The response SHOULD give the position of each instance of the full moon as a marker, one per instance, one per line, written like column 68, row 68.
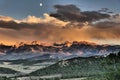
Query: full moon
column 41, row 4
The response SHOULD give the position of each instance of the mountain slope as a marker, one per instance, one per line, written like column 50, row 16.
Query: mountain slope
column 83, row 67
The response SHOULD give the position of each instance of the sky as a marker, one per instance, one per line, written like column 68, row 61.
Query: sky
column 22, row 8
column 59, row 21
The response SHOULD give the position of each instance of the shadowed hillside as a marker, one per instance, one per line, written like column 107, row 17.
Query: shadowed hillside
column 7, row 71
column 91, row 67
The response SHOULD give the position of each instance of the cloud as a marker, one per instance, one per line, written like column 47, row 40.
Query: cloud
column 31, row 28
column 103, row 10
column 106, row 31
column 6, row 18
column 52, row 29
column 72, row 13
column 115, row 18
column 106, row 25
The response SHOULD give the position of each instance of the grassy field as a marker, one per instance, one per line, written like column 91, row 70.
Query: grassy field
column 25, row 66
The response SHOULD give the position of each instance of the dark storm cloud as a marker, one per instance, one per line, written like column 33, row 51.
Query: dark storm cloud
column 72, row 13
column 106, row 30
column 66, row 12
column 106, row 24
column 21, row 26
column 93, row 16
column 67, row 8
column 103, row 10
column 9, row 25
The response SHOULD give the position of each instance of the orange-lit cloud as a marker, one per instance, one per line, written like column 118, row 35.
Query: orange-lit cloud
column 51, row 29
column 6, row 18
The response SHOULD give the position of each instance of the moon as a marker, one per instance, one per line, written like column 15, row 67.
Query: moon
column 41, row 4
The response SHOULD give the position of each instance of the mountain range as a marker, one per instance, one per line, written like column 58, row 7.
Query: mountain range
column 57, row 51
